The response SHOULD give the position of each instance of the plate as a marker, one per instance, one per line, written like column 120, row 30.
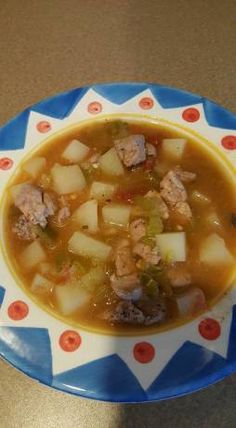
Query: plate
column 151, row 367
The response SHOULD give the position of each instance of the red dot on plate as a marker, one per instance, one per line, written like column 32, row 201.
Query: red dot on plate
column 229, row 142
column 209, row 329
column 144, row 352
column 69, row 341
column 6, row 163
column 191, row 115
column 18, row 310
column 43, row 126
column 95, row 107
column 146, row 103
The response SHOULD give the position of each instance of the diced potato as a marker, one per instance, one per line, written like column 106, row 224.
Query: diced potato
column 93, row 278
column 45, row 267
column 214, row 251
column 102, row 191
column 199, row 197
column 174, row 147
column 67, row 179
column 40, row 284
column 172, row 246
column 213, row 220
column 75, row 151
column 110, row 163
column 84, row 245
column 70, row 298
column 87, row 215
column 35, row 166
column 116, row 214
column 33, row 255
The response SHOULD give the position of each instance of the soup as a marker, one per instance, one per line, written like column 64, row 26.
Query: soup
column 122, row 226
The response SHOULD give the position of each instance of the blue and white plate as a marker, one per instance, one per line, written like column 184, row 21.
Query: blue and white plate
column 124, row 369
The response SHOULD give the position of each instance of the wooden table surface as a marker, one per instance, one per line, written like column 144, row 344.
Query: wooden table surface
column 50, row 46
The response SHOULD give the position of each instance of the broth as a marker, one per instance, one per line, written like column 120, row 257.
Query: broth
column 124, row 284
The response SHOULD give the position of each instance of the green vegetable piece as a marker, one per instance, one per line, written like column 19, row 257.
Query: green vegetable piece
column 155, row 225
column 79, row 267
column 152, row 288
column 118, row 129
column 47, row 235
column 148, row 241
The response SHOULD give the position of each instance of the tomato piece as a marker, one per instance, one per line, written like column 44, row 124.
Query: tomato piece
column 149, row 164
column 129, row 195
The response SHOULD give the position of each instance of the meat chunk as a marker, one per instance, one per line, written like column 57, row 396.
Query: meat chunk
column 124, row 261
column 163, row 208
column 185, row 176
column 63, row 214
column 153, row 311
column 35, row 206
column 150, row 255
column 131, row 150
column 24, row 229
column 49, row 204
column 127, row 287
column 172, row 190
column 126, row 312
column 137, row 229
column 174, row 193
column 184, row 210
column 191, row 302
column 178, row 275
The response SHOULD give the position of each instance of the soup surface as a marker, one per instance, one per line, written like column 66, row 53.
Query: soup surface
column 124, row 226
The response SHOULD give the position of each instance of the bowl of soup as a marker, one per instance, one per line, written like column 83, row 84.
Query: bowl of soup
column 118, row 241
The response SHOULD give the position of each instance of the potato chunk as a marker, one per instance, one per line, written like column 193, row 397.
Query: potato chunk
column 34, row 166
column 86, row 246
column 87, row 215
column 214, row 251
column 102, row 191
column 32, row 255
column 174, row 147
column 67, row 179
column 70, row 298
column 172, row 246
column 116, row 214
column 110, row 163
column 75, row 151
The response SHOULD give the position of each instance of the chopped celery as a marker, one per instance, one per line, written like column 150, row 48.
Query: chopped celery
column 79, row 267
column 118, row 129
column 47, row 235
column 148, row 241
column 152, row 288
column 148, row 204
column 144, row 278
column 149, row 283
column 155, row 225
column 151, row 206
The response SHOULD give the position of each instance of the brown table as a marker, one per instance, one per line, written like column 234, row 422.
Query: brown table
column 49, row 46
